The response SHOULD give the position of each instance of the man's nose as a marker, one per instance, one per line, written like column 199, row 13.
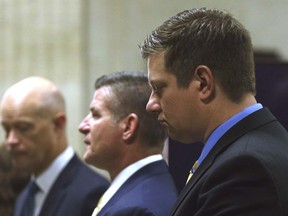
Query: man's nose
column 83, row 126
column 153, row 106
column 12, row 138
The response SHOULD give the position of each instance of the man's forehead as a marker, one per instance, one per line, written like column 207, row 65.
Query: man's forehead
column 155, row 65
column 160, row 77
column 103, row 92
column 20, row 113
column 100, row 96
column 11, row 122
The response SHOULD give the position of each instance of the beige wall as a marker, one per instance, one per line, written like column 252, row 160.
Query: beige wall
column 117, row 27
column 44, row 38
column 72, row 42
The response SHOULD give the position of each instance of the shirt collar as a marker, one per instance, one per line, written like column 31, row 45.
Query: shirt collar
column 223, row 128
column 126, row 174
column 49, row 176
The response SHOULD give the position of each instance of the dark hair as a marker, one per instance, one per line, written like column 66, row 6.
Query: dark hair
column 205, row 37
column 132, row 91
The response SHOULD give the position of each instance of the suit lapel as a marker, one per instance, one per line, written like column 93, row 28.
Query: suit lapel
column 256, row 119
column 145, row 172
column 53, row 202
column 58, row 191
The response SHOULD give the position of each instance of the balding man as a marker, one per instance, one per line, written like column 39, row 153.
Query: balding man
column 33, row 117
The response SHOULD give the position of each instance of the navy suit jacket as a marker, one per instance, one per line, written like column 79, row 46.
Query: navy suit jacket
column 75, row 192
column 244, row 174
column 149, row 191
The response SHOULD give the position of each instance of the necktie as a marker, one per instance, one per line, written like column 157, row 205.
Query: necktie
column 195, row 166
column 29, row 205
column 98, row 207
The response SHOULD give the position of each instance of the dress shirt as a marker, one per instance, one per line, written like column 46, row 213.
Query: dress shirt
column 125, row 174
column 165, row 152
column 46, row 180
column 223, row 128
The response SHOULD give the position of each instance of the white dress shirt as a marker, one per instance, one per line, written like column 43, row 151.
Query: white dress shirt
column 125, row 174
column 46, row 180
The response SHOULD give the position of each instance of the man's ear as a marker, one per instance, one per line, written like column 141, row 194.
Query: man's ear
column 60, row 121
column 206, row 86
column 130, row 125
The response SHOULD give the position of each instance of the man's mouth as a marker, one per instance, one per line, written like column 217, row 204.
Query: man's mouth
column 86, row 141
column 16, row 153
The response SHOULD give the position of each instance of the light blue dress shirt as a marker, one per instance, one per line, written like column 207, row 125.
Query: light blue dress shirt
column 223, row 128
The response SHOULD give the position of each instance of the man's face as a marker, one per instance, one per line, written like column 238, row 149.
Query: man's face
column 176, row 107
column 102, row 133
column 29, row 137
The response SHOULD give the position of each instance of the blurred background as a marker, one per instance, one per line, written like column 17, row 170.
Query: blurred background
column 73, row 42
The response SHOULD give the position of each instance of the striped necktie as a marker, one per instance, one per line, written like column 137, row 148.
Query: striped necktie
column 195, row 166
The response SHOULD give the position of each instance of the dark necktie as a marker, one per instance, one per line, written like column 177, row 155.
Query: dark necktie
column 29, row 204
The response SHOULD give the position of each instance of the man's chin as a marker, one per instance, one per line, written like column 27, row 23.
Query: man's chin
column 172, row 135
column 181, row 139
column 88, row 158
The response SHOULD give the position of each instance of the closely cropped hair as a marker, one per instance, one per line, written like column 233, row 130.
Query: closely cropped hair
column 205, row 37
column 132, row 92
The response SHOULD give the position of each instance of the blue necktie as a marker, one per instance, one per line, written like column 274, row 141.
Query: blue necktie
column 29, row 205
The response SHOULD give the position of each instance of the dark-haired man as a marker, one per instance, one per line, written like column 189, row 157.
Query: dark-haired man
column 201, row 70
column 122, row 138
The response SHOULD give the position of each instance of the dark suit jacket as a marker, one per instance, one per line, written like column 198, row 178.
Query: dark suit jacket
column 244, row 174
column 75, row 192
column 149, row 191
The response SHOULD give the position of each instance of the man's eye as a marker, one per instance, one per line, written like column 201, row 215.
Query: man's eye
column 6, row 129
column 95, row 114
column 157, row 89
column 23, row 127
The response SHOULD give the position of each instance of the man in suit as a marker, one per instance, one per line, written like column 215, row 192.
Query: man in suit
column 122, row 138
column 201, row 70
column 33, row 117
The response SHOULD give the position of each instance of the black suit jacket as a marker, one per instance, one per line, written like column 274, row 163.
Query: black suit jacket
column 244, row 174
column 75, row 192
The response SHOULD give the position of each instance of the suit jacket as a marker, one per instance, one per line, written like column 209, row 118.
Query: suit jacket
column 244, row 174
column 75, row 192
column 149, row 191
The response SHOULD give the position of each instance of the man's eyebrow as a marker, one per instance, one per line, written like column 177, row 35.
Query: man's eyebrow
column 23, row 122
column 18, row 122
column 154, row 81
column 157, row 82
column 151, row 83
